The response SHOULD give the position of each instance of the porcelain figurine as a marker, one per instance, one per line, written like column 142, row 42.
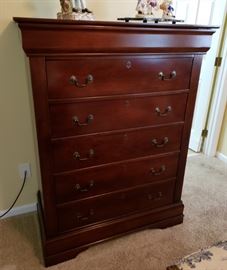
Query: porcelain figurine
column 66, row 6
column 145, row 7
column 167, row 8
column 79, row 4
column 76, row 12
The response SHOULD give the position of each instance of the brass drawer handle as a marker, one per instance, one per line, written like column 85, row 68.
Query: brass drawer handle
column 77, row 156
column 77, row 122
column 84, row 189
column 80, row 217
column 88, row 80
column 160, row 144
column 157, row 196
column 165, row 113
column 158, row 172
column 163, row 77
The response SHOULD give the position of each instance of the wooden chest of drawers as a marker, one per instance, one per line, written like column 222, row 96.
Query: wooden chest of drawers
column 114, row 105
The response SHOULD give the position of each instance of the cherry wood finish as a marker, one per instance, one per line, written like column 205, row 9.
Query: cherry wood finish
column 116, row 75
column 104, row 37
column 122, row 145
column 89, row 182
column 44, row 133
column 111, row 206
column 107, row 114
column 114, row 105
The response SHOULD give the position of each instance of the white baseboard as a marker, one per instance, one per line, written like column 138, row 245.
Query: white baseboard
column 222, row 157
column 20, row 210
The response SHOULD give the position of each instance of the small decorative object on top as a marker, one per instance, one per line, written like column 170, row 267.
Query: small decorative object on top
column 167, row 8
column 78, row 11
column 156, row 11
column 145, row 8
column 66, row 6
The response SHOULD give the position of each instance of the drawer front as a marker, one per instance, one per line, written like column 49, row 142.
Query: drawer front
column 97, row 116
column 90, row 182
column 117, row 204
column 102, row 76
column 91, row 150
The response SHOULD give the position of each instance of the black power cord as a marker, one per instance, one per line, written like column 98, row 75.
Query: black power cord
column 22, row 187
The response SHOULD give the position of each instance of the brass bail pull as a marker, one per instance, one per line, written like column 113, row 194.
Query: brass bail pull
column 88, row 120
column 157, row 144
column 158, row 172
column 86, row 188
column 88, row 80
column 81, row 217
column 90, row 155
column 165, row 112
column 163, row 77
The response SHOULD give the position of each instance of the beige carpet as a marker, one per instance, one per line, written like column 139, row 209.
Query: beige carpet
column 205, row 223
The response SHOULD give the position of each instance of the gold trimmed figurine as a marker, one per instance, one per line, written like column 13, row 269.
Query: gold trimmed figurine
column 167, row 8
column 78, row 11
column 66, row 6
column 145, row 7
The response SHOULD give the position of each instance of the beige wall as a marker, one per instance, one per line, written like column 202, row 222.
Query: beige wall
column 17, row 133
column 17, row 139
column 222, row 145
column 112, row 9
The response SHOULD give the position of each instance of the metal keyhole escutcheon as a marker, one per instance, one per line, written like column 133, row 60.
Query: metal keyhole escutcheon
column 129, row 64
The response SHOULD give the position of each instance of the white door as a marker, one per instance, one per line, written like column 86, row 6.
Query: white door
column 202, row 12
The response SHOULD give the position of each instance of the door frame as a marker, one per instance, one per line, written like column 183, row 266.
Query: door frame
column 214, row 16
column 219, row 100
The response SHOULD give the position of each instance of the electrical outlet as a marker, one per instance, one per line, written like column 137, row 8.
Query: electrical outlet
column 24, row 167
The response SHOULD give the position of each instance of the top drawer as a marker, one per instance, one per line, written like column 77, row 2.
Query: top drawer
column 103, row 76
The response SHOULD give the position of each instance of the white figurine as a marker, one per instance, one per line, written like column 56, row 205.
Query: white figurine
column 76, row 12
column 167, row 8
column 79, row 4
column 145, row 7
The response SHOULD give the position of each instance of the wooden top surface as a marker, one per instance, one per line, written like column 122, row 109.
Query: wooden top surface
column 51, row 36
column 150, row 25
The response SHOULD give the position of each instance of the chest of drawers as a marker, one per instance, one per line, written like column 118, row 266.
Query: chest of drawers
column 114, row 105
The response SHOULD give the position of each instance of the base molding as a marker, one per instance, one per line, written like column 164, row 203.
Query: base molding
column 222, row 157
column 24, row 209
column 66, row 246
column 72, row 253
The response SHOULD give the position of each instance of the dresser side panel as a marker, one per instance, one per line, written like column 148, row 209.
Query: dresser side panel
column 38, row 76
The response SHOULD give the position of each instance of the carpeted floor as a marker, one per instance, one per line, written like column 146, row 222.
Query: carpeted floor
column 205, row 223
